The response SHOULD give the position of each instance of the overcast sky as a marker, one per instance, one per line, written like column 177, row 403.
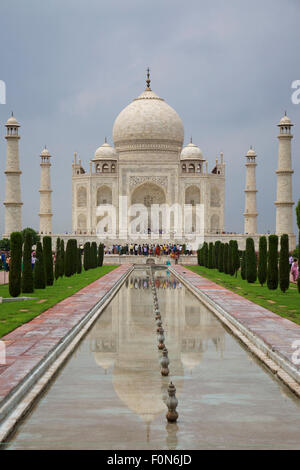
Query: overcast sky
column 71, row 66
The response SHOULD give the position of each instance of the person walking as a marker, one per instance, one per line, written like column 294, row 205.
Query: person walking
column 294, row 271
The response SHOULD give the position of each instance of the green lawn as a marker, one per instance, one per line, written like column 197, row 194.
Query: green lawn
column 286, row 305
column 14, row 314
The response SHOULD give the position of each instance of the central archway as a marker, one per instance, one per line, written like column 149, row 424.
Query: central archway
column 148, row 194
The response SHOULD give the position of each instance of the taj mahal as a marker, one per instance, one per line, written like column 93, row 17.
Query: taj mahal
column 148, row 165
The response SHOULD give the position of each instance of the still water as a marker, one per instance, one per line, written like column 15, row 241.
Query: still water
column 110, row 393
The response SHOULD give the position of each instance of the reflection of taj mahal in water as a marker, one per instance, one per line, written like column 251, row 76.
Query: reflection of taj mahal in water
column 123, row 341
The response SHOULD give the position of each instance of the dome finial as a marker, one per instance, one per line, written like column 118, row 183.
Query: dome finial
column 191, row 139
column 105, row 140
column 148, row 81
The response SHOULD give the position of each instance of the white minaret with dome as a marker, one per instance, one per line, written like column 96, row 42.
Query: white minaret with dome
column 12, row 203
column 284, row 201
column 250, row 194
column 45, row 213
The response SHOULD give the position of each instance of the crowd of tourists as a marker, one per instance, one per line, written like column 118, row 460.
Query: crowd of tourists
column 167, row 249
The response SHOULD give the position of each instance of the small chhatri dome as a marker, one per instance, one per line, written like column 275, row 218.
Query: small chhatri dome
column 191, row 152
column 12, row 121
column 251, row 152
column 45, row 152
column 148, row 123
column 285, row 121
column 106, row 152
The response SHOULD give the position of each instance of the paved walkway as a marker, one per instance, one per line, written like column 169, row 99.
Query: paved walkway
column 28, row 344
column 4, row 277
column 277, row 332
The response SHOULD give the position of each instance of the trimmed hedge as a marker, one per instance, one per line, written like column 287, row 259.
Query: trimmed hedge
column 284, row 266
column 243, row 266
column 48, row 260
column 62, row 259
column 39, row 275
column 79, row 262
column 27, row 273
column 101, row 254
column 86, row 256
column 57, row 259
column 262, row 260
column 251, row 267
column 220, row 258
column 272, row 275
column 15, row 264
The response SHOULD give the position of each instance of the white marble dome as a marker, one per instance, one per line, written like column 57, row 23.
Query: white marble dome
column 45, row 152
column 191, row 152
column 105, row 152
column 285, row 121
column 251, row 153
column 12, row 122
column 148, row 123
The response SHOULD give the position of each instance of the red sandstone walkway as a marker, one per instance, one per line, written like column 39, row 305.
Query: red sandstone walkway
column 28, row 344
column 277, row 332
column 4, row 276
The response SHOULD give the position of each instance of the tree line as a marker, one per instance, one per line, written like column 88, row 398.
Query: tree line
column 268, row 268
column 24, row 276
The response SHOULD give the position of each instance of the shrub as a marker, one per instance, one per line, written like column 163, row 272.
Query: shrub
column 39, row 275
column 15, row 264
column 79, row 262
column 225, row 258
column 86, row 256
column 34, row 235
column 94, row 261
column 74, row 256
column 216, row 254
column 69, row 259
column 236, row 257
column 231, row 269
column 251, row 267
column 57, row 259
column 5, row 244
column 262, row 260
column 284, row 266
column 210, row 256
column 272, row 274
column 27, row 273
column 220, row 258
column 48, row 260
column 243, row 266
column 100, row 254
column 62, row 259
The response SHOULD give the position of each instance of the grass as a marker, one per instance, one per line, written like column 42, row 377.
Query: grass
column 286, row 304
column 14, row 314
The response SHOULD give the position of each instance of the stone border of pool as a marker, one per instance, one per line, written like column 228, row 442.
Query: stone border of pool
column 21, row 398
column 274, row 355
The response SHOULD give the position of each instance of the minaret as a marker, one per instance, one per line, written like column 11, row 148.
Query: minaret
column 13, row 204
column 45, row 194
column 250, row 194
column 284, row 202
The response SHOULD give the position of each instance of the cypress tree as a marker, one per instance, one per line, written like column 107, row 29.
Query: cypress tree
column 62, row 259
column 39, row 275
column 262, row 260
column 205, row 254
column 27, row 274
column 101, row 254
column 57, row 259
column 236, row 257
column 298, row 223
column 210, row 256
column 243, row 266
column 48, row 260
column 79, row 263
column 69, row 259
column 231, row 269
column 217, row 247
column 272, row 274
column 251, row 265
column 225, row 258
column 220, row 257
column 213, row 263
column 94, row 254
column 15, row 264
column 74, row 256
column 199, row 257
column 86, row 256
column 284, row 267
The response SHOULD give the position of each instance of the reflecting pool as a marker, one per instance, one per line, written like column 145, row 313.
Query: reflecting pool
column 110, row 393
